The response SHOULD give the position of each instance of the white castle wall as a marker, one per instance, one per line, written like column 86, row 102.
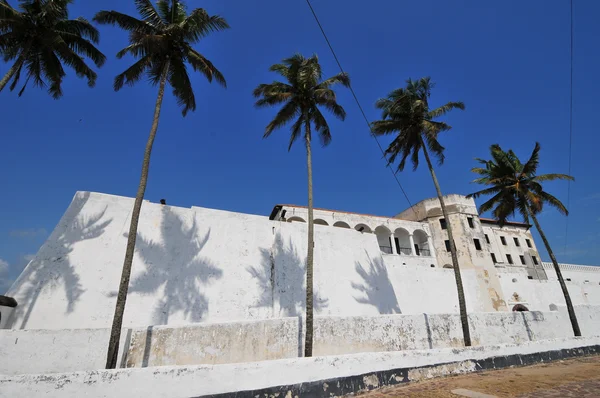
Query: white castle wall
column 582, row 282
column 202, row 265
column 54, row 351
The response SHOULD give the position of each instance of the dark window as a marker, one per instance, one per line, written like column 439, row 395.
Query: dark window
column 443, row 223
column 494, row 258
column 487, row 239
column 528, row 242
column 517, row 242
column 503, row 240
column 529, row 277
column 522, row 260
column 447, row 242
column 397, row 242
column 417, row 250
column 568, row 279
column 534, row 258
column 509, row 258
column 477, row 244
column 470, row 220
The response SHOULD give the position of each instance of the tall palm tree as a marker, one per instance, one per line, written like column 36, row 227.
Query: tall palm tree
column 162, row 42
column 406, row 113
column 518, row 188
column 41, row 38
column 302, row 93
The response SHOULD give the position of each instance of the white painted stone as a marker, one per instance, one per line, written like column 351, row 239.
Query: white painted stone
column 203, row 265
column 51, row 351
column 55, row 351
column 174, row 382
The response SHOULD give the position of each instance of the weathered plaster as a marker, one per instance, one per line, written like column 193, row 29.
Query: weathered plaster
column 186, row 381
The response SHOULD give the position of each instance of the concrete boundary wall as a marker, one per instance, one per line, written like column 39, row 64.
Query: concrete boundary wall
column 342, row 386
column 53, row 351
column 367, row 370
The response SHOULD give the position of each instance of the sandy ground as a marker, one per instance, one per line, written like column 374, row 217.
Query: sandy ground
column 578, row 377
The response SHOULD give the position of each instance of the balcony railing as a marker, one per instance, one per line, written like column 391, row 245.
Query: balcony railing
column 406, row 251
column 386, row 249
column 424, row 252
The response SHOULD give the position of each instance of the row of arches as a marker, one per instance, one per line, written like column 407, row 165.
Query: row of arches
column 400, row 241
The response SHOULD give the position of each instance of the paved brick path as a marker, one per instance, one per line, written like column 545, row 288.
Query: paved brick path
column 583, row 389
column 573, row 378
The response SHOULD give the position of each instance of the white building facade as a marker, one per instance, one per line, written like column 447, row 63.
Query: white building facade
column 197, row 265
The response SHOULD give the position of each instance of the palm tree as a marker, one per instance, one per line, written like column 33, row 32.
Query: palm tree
column 41, row 38
column 162, row 42
column 301, row 95
column 406, row 113
column 517, row 188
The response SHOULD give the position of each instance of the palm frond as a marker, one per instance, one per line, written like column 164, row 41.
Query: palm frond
column 442, row 110
column 554, row 202
column 285, row 115
column 133, row 73
column 70, row 58
column 199, row 24
column 333, row 107
column 321, row 127
column 435, row 147
column 296, row 131
column 182, row 87
column 341, row 78
column 53, row 71
column 487, row 191
column 79, row 27
column 201, row 64
column 84, row 47
column 148, row 13
column 552, row 177
column 123, row 21
column 382, row 127
column 532, row 164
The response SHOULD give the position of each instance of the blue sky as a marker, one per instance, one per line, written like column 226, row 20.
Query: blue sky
column 507, row 60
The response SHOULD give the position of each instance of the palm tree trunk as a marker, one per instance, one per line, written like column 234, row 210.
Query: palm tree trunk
column 563, row 286
column 464, row 320
column 308, row 341
column 115, row 333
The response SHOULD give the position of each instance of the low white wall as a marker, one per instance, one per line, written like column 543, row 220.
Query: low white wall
column 174, row 382
column 50, row 351
column 54, row 351
column 215, row 343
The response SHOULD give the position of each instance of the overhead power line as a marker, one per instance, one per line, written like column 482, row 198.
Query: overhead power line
column 570, row 132
column 358, row 103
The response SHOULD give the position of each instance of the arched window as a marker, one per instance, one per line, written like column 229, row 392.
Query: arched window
column 449, row 266
column 363, row 228
column 295, row 219
column 421, row 241
column 318, row 221
column 341, row 224
column 384, row 239
column 402, row 242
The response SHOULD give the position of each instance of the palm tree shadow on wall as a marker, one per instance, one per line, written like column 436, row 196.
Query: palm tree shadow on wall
column 176, row 266
column 377, row 288
column 52, row 267
column 282, row 280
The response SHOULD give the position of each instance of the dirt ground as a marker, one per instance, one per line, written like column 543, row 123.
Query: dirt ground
column 579, row 377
